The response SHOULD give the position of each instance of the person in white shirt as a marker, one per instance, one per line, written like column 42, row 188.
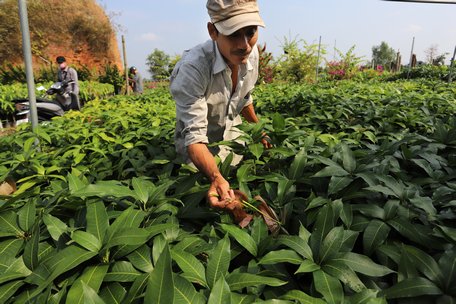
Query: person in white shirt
column 211, row 86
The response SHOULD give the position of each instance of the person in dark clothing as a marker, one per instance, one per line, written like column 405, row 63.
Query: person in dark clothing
column 68, row 74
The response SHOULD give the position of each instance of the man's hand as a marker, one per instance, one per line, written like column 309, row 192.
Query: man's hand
column 220, row 195
column 266, row 141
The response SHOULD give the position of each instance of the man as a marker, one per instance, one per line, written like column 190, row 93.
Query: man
column 211, row 86
column 68, row 74
column 136, row 81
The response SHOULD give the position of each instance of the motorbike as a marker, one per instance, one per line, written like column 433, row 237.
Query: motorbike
column 47, row 108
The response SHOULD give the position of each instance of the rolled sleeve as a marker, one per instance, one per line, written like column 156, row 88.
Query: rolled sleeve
column 187, row 87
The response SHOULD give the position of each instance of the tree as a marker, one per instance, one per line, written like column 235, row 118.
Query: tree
column 297, row 64
column 159, row 64
column 383, row 55
column 432, row 56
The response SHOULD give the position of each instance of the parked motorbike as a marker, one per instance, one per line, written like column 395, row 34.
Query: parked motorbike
column 47, row 108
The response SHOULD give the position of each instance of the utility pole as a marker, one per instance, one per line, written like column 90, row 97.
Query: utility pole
column 318, row 60
column 124, row 49
column 450, row 75
column 411, row 57
column 27, row 51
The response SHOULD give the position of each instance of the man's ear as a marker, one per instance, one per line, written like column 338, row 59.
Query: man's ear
column 212, row 31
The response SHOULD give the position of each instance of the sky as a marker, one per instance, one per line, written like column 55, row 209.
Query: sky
column 176, row 25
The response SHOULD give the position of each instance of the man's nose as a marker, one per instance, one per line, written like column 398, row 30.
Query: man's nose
column 243, row 42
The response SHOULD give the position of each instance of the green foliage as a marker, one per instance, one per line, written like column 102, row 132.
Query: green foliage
column 424, row 71
column 159, row 64
column 345, row 68
column 383, row 55
column 297, row 64
column 112, row 76
column 361, row 175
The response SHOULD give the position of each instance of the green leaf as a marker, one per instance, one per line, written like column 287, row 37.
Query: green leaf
column 337, row 184
column 242, row 298
column 113, row 293
column 344, row 274
column 334, row 170
column 160, row 288
column 31, row 249
column 382, row 189
column 26, row 216
column 331, row 244
column 92, row 277
column 220, row 293
column 136, row 290
column 328, row 286
column 301, row 297
column 363, row 264
column 75, row 183
column 326, row 219
column 105, row 189
column 238, row 281
column 129, row 218
column 86, row 240
column 281, row 256
column 375, row 235
column 298, row 165
column 9, row 289
column 185, row 293
column 424, row 263
column 259, row 230
column 425, row 204
column 307, row 266
column 412, row 287
column 141, row 258
column 297, row 244
column 366, row 297
column 242, row 237
column 90, row 295
column 8, row 223
column 54, row 226
column 256, row 150
column 63, row 261
column 10, row 247
column 447, row 264
column 122, row 271
column 348, row 159
column 141, row 187
column 193, row 269
column 219, row 262
column 129, row 236
column 97, row 220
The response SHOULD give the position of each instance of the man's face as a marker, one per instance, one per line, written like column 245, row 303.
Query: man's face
column 62, row 65
column 237, row 47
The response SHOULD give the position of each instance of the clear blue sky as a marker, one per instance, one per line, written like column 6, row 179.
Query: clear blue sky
column 175, row 25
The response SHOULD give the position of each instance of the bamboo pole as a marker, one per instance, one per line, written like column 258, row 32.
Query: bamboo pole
column 124, row 50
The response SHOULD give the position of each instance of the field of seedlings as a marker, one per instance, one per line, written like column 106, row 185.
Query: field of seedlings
column 362, row 177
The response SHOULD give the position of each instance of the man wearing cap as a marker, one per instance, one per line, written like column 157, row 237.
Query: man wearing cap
column 136, row 81
column 68, row 74
column 211, row 86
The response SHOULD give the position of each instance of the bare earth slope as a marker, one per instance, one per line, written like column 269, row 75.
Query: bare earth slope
column 80, row 30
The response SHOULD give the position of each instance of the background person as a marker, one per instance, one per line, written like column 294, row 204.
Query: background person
column 136, row 81
column 211, row 86
column 68, row 74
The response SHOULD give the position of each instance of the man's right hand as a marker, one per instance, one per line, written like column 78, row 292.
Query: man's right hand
column 220, row 195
